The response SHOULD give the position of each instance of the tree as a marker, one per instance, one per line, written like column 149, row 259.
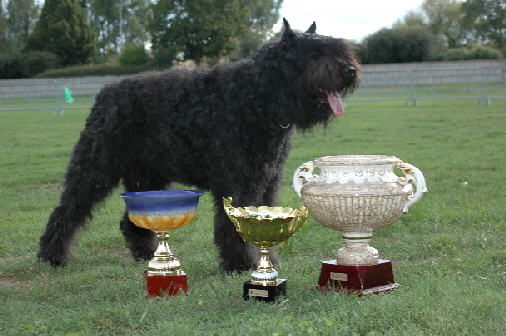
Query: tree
column 63, row 30
column 415, row 19
column 21, row 16
column 412, row 19
column 197, row 28
column 263, row 14
column 104, row 19
column 486, row 20
column 3, row 25
column 445, row 17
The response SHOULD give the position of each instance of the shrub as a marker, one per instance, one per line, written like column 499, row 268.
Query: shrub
column 39, row 61
column 163, row 58
column 397, row 46
column 458, row 54
column 27, row 65
column 11, row 67
column 133, row 55
column 482, row 52
column 477, row 52
column 93, row 70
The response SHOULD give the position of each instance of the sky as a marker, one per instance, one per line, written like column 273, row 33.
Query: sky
column 349, row 19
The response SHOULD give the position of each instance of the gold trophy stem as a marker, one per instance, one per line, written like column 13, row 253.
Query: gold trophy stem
column 265, row 274
column 164, row 262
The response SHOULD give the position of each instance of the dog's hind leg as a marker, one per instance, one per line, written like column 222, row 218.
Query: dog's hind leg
column 90, row 177
column 270, row 198
column 235, row 254
column 141, row 242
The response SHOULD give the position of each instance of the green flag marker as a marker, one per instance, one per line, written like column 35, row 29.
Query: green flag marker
column 68, row 95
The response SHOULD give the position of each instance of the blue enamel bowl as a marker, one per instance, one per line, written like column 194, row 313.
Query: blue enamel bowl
column 162, row 210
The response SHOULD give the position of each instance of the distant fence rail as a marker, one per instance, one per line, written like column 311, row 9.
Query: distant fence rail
column 49, row 94
column 411, row 86
column 417, row 84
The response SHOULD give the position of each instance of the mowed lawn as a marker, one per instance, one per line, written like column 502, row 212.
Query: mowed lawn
column 448, row 252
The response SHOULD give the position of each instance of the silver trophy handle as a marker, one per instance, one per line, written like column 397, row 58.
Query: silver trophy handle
column 304, row 172
column 412, row 175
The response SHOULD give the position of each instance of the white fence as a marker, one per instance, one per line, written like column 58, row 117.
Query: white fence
column 411, row 86
column 44, row 94
column 418, row 84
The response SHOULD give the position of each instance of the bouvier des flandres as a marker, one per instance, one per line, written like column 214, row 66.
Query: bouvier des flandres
column 227, row 130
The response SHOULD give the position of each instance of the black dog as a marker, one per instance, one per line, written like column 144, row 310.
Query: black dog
column 227, row 130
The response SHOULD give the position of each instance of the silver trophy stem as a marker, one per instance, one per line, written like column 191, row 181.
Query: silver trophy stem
column 357, row 250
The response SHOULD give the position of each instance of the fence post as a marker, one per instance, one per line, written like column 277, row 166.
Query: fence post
column 411, row 89
column 484, row 99
column 56, row 98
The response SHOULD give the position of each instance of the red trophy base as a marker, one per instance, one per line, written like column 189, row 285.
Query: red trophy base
column 166, row 285
column 357, row 279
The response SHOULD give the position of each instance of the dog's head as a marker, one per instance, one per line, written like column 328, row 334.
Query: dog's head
column 326, row 70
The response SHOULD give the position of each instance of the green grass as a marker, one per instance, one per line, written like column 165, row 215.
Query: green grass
column 448, row 252
column 44, row 103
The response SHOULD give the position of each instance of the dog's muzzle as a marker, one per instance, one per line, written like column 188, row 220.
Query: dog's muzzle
column 349, row 73
column 347, row 79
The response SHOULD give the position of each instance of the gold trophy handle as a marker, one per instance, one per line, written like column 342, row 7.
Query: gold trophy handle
column 304, row 172
column 415, row 176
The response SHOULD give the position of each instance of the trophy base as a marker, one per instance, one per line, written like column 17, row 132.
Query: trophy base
column 357, row 279
column 166, row 285
column 265, row 293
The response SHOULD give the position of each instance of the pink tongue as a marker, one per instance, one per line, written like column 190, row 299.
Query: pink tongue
column 336, row 103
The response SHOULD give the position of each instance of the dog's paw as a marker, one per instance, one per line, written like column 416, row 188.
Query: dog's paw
column 55, row 262
column 144, row 256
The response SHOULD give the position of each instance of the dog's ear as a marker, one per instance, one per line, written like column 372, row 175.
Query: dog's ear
column 312, row 29
column 288, row 34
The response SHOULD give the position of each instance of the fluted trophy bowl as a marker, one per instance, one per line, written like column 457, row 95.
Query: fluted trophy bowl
column 265, row 227
column 162, row 211
column 358, row 194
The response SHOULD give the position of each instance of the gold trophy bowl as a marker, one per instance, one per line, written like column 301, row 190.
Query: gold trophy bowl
column 164, row 262
column 265, row 227
column 163, row 211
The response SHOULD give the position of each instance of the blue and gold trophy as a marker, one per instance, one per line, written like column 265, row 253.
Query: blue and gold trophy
column 162, row 211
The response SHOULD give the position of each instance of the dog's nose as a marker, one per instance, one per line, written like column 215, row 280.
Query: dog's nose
column 349, row 71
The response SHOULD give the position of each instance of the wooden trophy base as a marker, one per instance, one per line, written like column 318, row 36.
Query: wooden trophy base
column 357, row 279
column 166, row 285
column 265, row 293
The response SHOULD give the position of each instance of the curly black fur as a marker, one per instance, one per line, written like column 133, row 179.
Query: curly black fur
column 227, row 130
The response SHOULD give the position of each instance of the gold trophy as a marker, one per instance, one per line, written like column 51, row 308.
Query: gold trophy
column 265, row 227
column 163, row 211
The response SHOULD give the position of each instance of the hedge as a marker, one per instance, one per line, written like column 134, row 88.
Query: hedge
column 94, row 70
column 27, row 65
column 477, row 52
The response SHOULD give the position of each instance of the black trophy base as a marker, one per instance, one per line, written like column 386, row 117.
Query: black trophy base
column 263, row 293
